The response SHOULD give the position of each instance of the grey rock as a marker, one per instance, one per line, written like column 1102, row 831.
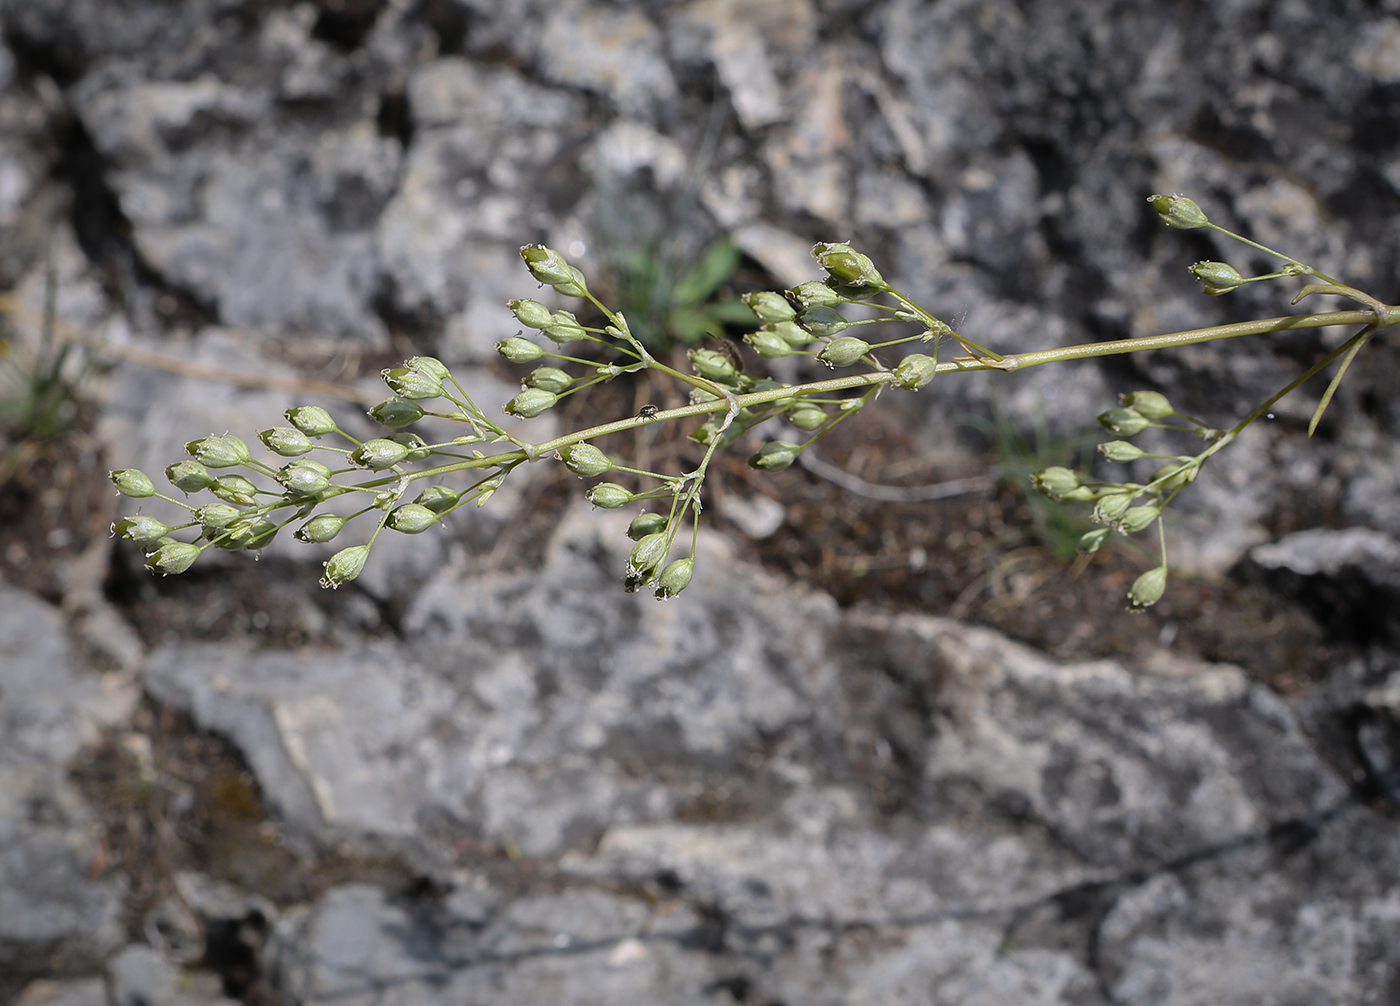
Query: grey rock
column 74, row 992
column 139, row 976
column 1374, row 554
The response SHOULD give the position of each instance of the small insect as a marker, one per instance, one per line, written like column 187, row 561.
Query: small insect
column 647, row 412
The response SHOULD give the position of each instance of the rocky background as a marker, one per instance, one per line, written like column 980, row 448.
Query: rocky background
column 482, row 773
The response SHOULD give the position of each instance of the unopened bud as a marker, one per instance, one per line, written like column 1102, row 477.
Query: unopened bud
column 775, row 456
column 844, row 351
column 648, row 553
column 1109, row 508
column 321, row 528
column 531, row 313
column 518, row 350
column 792, row 333
column 1152, row 404
column 418, row 448
column 378, row 454
column 915, row 371
column 396, row 413
column 248, row 534
column 823, row 322
column 1147, row 589
column 235, row 489
column 286, row 441
column 132, row 482
column 438, row 499
column 219, row 452
column 1173, row 476
column 549, row 268
column 189, row 476
column 312, row 420
column 712, row 364
column 1121, row 451
column 806, row 416
column 172, row 557
column 141, row 527
column 429, row 365
column 585, row 460
column 531, row 402
column 412, row 383
column 609, row 496
column 550, row 379
column 1056, row 481
column 216, row 516
column 345, row 565
column 768, row 344
column 1090, row 542
column 1138, row 518
column 1216, row 277
column 1124, row 422
column 304, row 477
column 674, row 578
column 769, row 307
column 644, row 524
column 814, row 294
column 1179, row 211
column 848, row 266
column 564, row 327
column 412, row 518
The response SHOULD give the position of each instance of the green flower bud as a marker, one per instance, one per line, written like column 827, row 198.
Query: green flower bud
column 823, row 322
column 345, row 565
column 1055, row 482
column 846, row 265
column 609, row 496
column 189, row 476
column 304, row 477
column 814, row 294
column 518, row 350
column 219, row 452
column 774, row 456
column 674, row 578
column 321, row 528
column 249, row 534
column 235, row 489
column 646, row 523
column 1090, row 542
column 412, row 383
column 550, row 379
column 172, row 557
column 312, row 420
column 1178, row 211
column 1124, row 422
column 431, row 366
column 1216, row 277
column 286, row 441
column 1121, row 451
column 1138, row 518
column 378, row 454
column 418, row 448
column 564, row 328
column 531, row 402
column 648, row 553
column 585, row 460
column 792, row 333
column 806, row 416
column 769, row 307
column 1083, row 494
column 768, row 344
column 1151, row 404
column 216, row 516
column 412, row 518
column 438, row 499
column 1147, row 589
column 531, row 313
column 141, row 527
column 549, row 268
column 712, row 364
column 396, row 413
column 132, row 482
column 844, row 351
column 915, row 371
column 1174, row 476
column 1109, row 508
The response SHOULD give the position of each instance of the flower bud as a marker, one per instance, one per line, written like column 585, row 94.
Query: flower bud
column 189, row 476
column 1109, row 508
column 646, row 523
column 550, row 379
column 915, row 371
column 438, row 499
column 531, row 313
column 1121, row 451
column 429, row 365
column 1174, row 476
column 304, row 477
column 378, row 454
column 531, row 402
column 249, row 534
column 814, row 294
column 321, row 528
column 286, row 441
column 585, row 460
column 846, row 265
column 1151, row 404
column 216, row 516
column 418, row 448
column 564, row 328
column 769, row 307
column 1124, row 422
column 412, row 383
column 674, row 578
column 648, row 553
column 518, row 350
column 1055, row 482
column 1090, row 542
column 235, row 489
column 792, row 333
column 806, row 416
column 1147, row 589
column 172, row 557
column 768, row 344
column 712, row 364
column 312, row 420
column 140, row 527
column 1138, row 518
column 844, row 351
column 219, row 452
column 823, row 322
column 396, row 413
column 609, row 496
column 412, row 518
column 1179, row 211
column 774, row 456
column 1216, row 277
column 549, row 268
column 345, row 565
column 132, row 482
